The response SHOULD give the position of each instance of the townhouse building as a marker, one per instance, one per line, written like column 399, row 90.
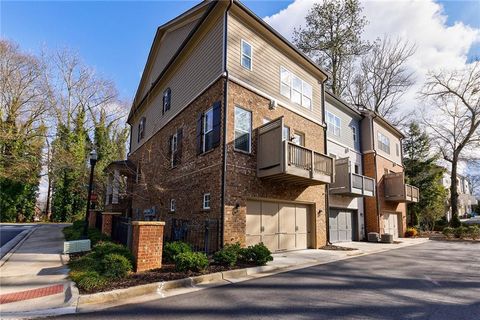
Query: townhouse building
column 466, row 198
column 350, row 186
column 228, row 135
column 381, row 145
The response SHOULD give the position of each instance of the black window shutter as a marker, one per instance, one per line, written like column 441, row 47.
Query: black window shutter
column 169, row 152
column 178, row 154
column 199, row 133
column 217, row 123
column 169, row 98
column 163, row 104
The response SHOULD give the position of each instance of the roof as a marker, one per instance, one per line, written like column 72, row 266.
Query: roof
column 343, row 102
column 384, row 121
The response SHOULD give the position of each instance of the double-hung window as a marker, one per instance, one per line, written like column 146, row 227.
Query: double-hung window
column 208, row 128
column 295, row 89
column 247, row 55
column 383, row 142
column 173, row 205
column 333, row 124
column 167, row 98
column 243, row 129
column 206, row 201
column 397, row 149
column 286, row 133
column 354, row 133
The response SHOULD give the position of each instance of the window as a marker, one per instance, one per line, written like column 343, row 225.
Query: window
column 167, row 97
column 175, row 147
column 354, row 133
column 206, row 201
column 298, row 138
column 247, row 55
column 397, row 149
column 286, row 133
column 295, row 89
column 333, row 124
column 243, row 129
column 173, row 205
column 383, row 143
column 208, row 128
column 141, row 129
column 356, row 169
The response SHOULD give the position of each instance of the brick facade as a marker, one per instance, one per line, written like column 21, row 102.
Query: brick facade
column 242, row 183
column 147, row 244
column 107, row 219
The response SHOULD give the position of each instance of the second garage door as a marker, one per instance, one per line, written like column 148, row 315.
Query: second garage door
column 280, row 226
column 341, row 224
column 390, row 224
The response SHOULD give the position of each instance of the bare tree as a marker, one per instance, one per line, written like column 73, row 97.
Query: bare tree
column 453, row 116
column 473, row 176
column 382, row 78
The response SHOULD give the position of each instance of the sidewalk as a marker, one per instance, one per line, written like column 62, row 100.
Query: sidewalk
column 33, row 280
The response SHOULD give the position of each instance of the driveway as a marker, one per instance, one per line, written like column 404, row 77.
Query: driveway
column 434, row 280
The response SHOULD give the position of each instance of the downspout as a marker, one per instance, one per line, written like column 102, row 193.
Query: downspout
column 376, row 176
column 363, row 173
column 225, row 116
column 327, row 186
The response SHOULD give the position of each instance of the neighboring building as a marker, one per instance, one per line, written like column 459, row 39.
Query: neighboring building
column 346, row 209
column 228, row 136
column 381, row 145
column 466, row 199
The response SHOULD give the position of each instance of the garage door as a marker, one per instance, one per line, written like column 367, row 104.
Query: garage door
column 280, row 226
column 390, row 224
column 341, row 225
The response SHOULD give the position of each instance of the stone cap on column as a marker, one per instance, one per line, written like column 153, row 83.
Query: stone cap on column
column 148, row 223
column 111, row 213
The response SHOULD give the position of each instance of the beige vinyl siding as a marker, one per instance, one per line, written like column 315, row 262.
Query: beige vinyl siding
column 202, row 66
column 393, row 141
column 266, row 63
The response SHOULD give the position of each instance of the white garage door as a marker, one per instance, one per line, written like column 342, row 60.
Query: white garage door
column 390, row 224
column 341, row 225
column 280, row 226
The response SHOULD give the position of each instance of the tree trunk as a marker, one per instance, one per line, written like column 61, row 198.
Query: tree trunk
column 453, row 189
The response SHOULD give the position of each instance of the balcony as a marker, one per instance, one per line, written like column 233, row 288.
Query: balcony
column 284, row 161
column 397, row 190
column 351, row 184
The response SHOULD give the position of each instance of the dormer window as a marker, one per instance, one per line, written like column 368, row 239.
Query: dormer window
column 167, row 97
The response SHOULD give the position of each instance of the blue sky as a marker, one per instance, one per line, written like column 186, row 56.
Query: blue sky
column 115, row 37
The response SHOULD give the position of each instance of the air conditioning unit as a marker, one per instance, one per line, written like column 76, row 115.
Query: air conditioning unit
column 373, row 237
column 76, row 246
column 273, row 104
column 387, row 238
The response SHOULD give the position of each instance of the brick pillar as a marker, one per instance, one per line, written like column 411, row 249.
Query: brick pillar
column 147, row 244
column 107, row 218
column 92, row 217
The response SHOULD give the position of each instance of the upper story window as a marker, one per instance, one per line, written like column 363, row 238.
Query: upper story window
column 397, row 150
column 383, row 142
column 167, row 98
column 175, row 147
column 247, row 55
column 141, row 129
column 354, row 133
column 286, row 133
column 243, row 129
column 295, row 89
column 208, row 129
column 333, row 124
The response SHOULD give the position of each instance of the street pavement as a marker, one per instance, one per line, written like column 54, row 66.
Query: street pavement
column 434, row 280
column 7, row 233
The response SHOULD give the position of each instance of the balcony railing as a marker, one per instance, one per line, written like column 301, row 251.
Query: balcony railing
column 397, row 190
column 352, row 184
column 280, row 159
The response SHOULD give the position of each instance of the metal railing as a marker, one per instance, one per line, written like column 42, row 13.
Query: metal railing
column 122, row 230
column 201, row 236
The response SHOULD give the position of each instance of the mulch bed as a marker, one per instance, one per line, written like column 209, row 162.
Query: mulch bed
column 166, row 273
column 336, row 248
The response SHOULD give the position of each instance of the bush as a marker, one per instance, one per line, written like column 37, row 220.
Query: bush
column 172, row 249
column 411, row 232
column 461, row 232
column 90, row 281
column 448, row 232
column 257, row 254
column 228, row 256
column 473, row 232
column 115, row 266
column 191, row 261
column 86, row 262
column 104, row 248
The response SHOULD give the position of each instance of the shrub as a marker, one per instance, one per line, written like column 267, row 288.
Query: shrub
column 228, row 256
column 448, row 232
column 411, row 232
column 90, row 281
column 191, row 261
column 473, row 232
column 172, row 249
column 257, row 254
column 105, row 248
column 115, row 266
column 461, row 232
column 86, row 262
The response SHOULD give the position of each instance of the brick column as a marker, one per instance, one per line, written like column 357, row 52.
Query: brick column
column 147, row 244
column 107, row 218
column 92, row 217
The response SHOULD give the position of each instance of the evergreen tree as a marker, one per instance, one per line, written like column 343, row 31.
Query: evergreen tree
column 422, row 171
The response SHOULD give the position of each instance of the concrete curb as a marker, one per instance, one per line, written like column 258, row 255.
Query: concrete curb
column 14, row 244
column 164, row 289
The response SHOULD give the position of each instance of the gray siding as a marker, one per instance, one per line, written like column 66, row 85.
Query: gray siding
column 188, row 79
column 347, row 121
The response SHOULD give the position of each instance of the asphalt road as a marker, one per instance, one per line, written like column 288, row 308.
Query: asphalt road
column 7, row 233
column 436, row 280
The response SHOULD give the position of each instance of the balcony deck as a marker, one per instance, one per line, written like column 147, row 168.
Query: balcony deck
column 397, row 190
column 351, row 184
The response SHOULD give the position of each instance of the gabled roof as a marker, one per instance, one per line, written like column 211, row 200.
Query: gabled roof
column 330, row 97
column 382, row 120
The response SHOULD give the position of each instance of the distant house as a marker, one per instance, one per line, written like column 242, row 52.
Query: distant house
column 466, row 199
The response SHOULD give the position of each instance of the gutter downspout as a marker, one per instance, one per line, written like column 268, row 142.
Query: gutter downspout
column 376, row 176
column 327, row 186
column 225, row 117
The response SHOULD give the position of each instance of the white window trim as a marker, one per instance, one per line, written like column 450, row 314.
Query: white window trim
column 290, row 85
column 333, row 125
column 235, row 129
column 380, row 142
column 243, row 54
column 173, row 205
column 204, row 127
column 205, row 207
